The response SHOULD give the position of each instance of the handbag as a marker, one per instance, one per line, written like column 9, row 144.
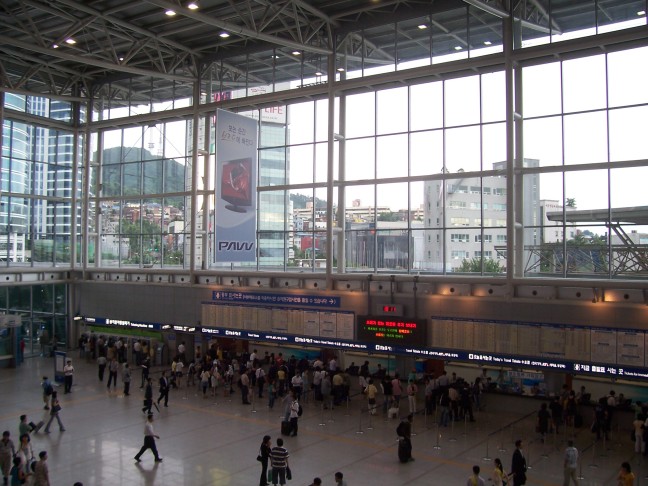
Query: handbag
column 288, row 473
column 56, row 409
column 259, row 458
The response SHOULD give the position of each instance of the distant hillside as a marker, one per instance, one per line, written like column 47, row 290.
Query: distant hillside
column 300, row 200
column 174, row 173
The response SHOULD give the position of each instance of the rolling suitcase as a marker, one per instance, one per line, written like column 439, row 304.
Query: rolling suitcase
column 404, row 450
column 285, row 428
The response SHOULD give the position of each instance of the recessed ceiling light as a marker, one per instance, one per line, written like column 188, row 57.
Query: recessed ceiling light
column 192, row 5
column 170, row 13
column 296, row 53
column 641, row 13
column 340, row 70
column 319, row 73
column 224, row 35
column 422, row 26
column 487, row 43
column 55, row 46
column 458, row 48
column 70, row 41
column 121, row 58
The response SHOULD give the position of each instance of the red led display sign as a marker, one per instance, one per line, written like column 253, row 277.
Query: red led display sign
column 392, row 330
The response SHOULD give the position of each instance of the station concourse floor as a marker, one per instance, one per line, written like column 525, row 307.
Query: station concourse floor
column 215, row 441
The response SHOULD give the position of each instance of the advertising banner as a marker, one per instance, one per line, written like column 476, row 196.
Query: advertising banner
column 236, row 201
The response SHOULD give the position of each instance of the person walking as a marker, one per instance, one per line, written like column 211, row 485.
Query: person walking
column 7, row 451
column 570, row 464
column 101, row 362
column 41, row 471
column 626, row 477
column 54, row 414
column 279, row 460
column 149, row 440
column 25, row 453
column 339, row 479
column 164, row 390
column 148, row 397
column 18, row 474
column 263, row 457
column 295, row 407
column 475, row 479
column 412, row 390
column 499, row 477
column 146, row 365
column 518, row 465
column 113, row 368
column 126, row 378
column 68, row 371
column 47, row 391
column 371, row 391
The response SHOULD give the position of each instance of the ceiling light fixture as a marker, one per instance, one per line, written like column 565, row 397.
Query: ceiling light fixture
column 319, row 73
column 121, row 58
column 55, row 46
column 340, row 70
column 224, row 35
column 296, row 53
column 458, row 48
column 170, row 13
column 70, row 41
column 192, row 6
column 487, row 43
column 422, row 26
column 641, row 13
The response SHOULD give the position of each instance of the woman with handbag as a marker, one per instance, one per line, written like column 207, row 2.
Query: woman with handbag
column 264, row 455
column 54, row 414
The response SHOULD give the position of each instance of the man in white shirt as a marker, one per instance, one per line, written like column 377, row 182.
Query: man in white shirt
column 149, row 440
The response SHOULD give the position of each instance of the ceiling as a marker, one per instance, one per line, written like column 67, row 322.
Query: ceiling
column 138, row 50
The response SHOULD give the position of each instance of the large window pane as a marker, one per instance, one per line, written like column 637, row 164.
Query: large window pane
column 301, row 164
column 301, row 122
column 391, row 113
column 463, row 149
column 578, row 94
column 360, row 159
column 543, row 140
column 586, row 138
column 462, row 103
column 426, row 106
column 391, row 156
column 426, row 153
column 360, row 115
column 628, row 77
column 628, row 134
column 541, row 90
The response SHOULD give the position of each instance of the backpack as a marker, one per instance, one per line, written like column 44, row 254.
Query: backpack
column 400, row 430
column 48, row 389
column 300, row 411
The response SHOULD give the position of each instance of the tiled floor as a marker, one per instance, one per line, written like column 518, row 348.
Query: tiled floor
column 216, row 441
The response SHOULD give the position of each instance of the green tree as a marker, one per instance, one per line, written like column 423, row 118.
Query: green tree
column 474, row 265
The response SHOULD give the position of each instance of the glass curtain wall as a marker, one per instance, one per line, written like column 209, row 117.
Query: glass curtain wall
column 421, row 177
column 43, row 312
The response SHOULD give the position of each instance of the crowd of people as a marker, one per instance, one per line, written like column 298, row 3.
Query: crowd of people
column 290, row 381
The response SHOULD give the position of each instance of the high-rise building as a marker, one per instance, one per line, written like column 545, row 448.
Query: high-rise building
column 467, row 218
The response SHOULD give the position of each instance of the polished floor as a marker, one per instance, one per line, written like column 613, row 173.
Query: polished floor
column 215, row 441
